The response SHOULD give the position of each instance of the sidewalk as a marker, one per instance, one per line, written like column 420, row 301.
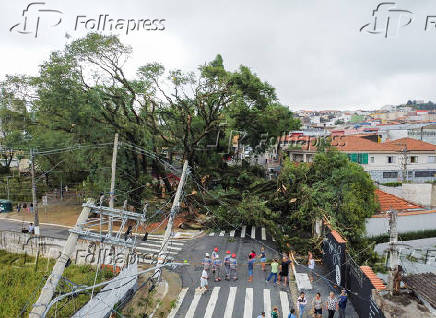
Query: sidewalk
column 323, row 286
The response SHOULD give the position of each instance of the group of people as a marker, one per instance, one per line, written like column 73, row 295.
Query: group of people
column 332, row 304
column 212, row 264
column 25, row 207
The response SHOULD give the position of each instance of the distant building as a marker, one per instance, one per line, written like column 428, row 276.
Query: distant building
column 385, row 162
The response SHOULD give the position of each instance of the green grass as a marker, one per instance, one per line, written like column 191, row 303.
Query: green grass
column 21, row 280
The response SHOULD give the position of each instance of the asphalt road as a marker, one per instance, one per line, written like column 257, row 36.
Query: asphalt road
column 230, row 298
column 46, row 230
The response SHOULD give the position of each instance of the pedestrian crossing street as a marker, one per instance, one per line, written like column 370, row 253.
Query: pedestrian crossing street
column 246, row 232
column 230, row 302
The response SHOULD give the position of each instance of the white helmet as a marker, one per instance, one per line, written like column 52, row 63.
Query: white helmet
column 207, row 255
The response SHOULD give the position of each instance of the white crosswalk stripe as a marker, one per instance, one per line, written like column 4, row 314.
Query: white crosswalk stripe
column 191, row 310
column 159, row 245
column 232, row 233
column 248, row 306
column 230, row 303
column 267, row 302
column 212, row 302
column 205, row 304
column 178, row 303
column 263, row 234
column 285, row 303
column 244, row 228
column 152, row 250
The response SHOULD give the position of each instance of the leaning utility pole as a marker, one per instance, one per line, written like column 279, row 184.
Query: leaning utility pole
column 34, row 200
column 393, row 251
column 112, row 193
column 174, row 209
column 49, row 288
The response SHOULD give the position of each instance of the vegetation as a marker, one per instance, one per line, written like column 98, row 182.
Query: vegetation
column 392, row 184
column 409, row 236
column 21, row 280
column 83, row 95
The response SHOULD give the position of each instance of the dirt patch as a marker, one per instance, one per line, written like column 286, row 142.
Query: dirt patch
column 163, row 297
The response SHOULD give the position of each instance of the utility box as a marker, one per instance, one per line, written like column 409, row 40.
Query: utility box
column 5, row 206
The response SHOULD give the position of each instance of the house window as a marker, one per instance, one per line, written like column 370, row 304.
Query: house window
column 431, row 159
column 361, row 158
column 425, row 174
column 391, row 159
column 390, row 174
column 413, row 159
column 372, row 159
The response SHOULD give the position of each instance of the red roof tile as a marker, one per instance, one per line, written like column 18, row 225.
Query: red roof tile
column 358, row 142
column 389, row 201
column 375, row 281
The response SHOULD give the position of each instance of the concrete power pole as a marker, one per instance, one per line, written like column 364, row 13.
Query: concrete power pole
column 34, row 200
column 112, row 193
column 49, row 288
column 393, row 251
column 174, row 209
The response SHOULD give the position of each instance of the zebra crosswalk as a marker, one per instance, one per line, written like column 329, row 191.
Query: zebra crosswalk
column 148, row 250
column 227, row 301
column 246, row 232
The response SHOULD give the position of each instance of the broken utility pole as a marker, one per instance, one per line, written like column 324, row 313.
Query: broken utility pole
column 49, row 288
column 174, row 208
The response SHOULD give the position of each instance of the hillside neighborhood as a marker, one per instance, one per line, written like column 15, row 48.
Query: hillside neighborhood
column 217, row 160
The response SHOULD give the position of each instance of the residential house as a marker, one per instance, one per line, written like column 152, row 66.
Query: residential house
column 385, row 162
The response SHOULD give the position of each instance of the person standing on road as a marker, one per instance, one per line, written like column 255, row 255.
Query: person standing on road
column 227, row 265
column 216, row 267
column 301, row 303
column 251, row 261
column 203, row 280
column 332, row 305
column 214, row 255
column 317, row 306
column 31, row 208
column 18, row 207
column 342, row 303
column 274, row 270
column 31, row 228
column 262, row 258
column 262, row 315
column 207, row 262
column 275, row 313
column 252, row 253
column 292, row 313
column 284, row 270
column 311, row 265
column 233, row 267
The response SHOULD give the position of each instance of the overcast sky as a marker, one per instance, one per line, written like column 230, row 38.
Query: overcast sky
column 311, row 51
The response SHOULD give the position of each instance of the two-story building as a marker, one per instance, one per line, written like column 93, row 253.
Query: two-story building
column 385, row 162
